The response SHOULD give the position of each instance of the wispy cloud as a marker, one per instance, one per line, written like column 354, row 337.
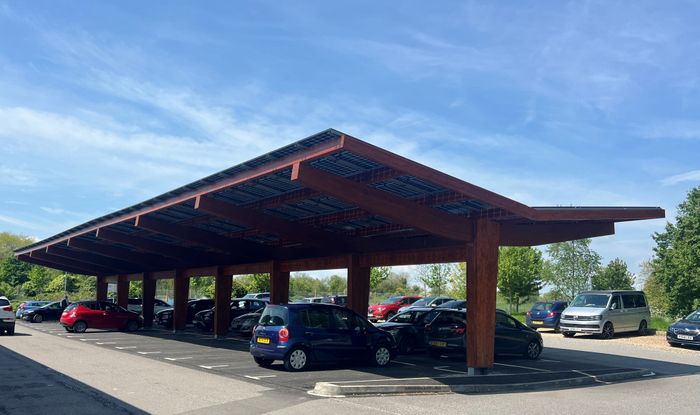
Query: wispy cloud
column 671, row 129
column 690, row 176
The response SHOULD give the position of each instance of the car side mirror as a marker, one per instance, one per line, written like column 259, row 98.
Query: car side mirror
column 613, row 306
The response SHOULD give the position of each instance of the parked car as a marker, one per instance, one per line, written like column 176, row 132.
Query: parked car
column 408, row 327
column 204, row 320
column 545, row 314
column 82, row 315
column 259, row 296
column 165, row 317
column 427, row 302
column 685, row 331
column 244, row 324
column 336, row 299
column 311, row 300
column 454, row 304
column 29, row 305
column 389, row 307
column 605, row 313
column 299, row 334
column 50, row 311
column 136, row 305
column 446, row 333
column 7, row 317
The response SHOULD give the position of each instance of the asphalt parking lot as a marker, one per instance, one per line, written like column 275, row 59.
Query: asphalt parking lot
column 229, row 357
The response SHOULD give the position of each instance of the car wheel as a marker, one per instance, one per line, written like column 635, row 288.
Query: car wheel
column 38, row 318
column 673, row 344
column 262, row 361
column 132, row 325
column 642, row 331
column 533, row 350
column 296, row 360
column 407, row 345
column 608, row 331
column 568, row 334
column 10, row 331
column 79, row 327
column 382, row 356
column 68, row 329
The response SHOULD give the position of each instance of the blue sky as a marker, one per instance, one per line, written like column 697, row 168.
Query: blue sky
column 105, row 104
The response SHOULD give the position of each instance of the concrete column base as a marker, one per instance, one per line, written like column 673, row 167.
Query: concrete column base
column 477, row 371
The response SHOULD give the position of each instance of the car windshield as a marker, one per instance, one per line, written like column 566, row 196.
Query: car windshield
column 454, row 304
column 542, row 307
column 591, row 300
column 392, row 300
column 694, row 316
column 274, row 316
column 72, row 306
column 423, row 301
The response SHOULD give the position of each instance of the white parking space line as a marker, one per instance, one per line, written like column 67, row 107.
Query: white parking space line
column 89, row 340
column 403, row 363
column 261, row 377
column 523, row 367
column 125, row 347
column 177, row 358
column 148, row 352
column 595, row 378
column 105, row 342
column 443, row 368
column 212, row 366
column 551, row 361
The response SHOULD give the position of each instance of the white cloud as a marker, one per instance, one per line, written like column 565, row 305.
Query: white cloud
column 689, row 176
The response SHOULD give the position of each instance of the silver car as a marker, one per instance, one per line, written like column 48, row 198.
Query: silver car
column 605, row 313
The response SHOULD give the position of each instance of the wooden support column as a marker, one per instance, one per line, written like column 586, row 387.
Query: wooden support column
column 482, row 275
column 358, row 286
column 148, row 295
column 123, row 291
column 182, row 292
column 101, row 288
column 279, row 285
column 222, row 308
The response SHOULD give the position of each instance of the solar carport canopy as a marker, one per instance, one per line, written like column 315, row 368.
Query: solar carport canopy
column 310, row 204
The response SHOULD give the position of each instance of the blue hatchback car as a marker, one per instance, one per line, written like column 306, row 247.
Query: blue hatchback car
column 545, row 314
column 299, row 334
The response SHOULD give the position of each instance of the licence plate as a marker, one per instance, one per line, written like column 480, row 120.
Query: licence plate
column 574, row 329
column 685, row 337
column 263, row 340
column 438, row 344
column 537, row 322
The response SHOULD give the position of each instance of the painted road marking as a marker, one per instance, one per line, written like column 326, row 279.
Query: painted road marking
column 551, row 361
column 261, row 377
column 403, row 363
column 443, row 368
column 125, row 347
column 148, row 352
column 212, row 366
column 595, row 378
column 105, row 342
column 177, row 358
column 523, row 367
column 88, row 340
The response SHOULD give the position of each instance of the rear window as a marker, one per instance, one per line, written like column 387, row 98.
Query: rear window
column 274, row 316
column 543, row 306
column 71, row 307
column 4, row 302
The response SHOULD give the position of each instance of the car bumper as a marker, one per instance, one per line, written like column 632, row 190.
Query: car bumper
column 7, row 324
column 546, row 323
column 581, row 326
column 671, row 338
column 275, row 353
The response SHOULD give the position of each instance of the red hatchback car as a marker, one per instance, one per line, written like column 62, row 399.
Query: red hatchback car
column 82, row 315
column 389, row 307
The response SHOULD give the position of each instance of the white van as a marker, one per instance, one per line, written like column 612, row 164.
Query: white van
column 605, row 313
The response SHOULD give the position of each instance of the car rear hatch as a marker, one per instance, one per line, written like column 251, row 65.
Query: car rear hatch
column 273, row 321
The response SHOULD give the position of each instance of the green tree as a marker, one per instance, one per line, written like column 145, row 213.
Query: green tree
column 61, row 282
column 519, row 274
column 10, row 241
column 571, row 266
column 676, row 262
column 337, row 284
column 377, row 275
column 14, row 271
column 457, row 282
column 436, row 276
column 614, row 276
column 39, row 278
column 656, row 296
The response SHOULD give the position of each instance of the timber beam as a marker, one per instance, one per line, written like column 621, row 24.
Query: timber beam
column 540, row 233
column 48, row 264
column 117, row 252
column 70, row 263
column 385, row 204
column 87, row 257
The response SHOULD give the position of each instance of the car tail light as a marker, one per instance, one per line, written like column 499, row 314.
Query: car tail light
column 7, row 308
column 550, row 314
column 23, row 306
column 283, row 334
column 529, row 313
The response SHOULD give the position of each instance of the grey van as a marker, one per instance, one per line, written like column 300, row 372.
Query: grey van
column 605, row 313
